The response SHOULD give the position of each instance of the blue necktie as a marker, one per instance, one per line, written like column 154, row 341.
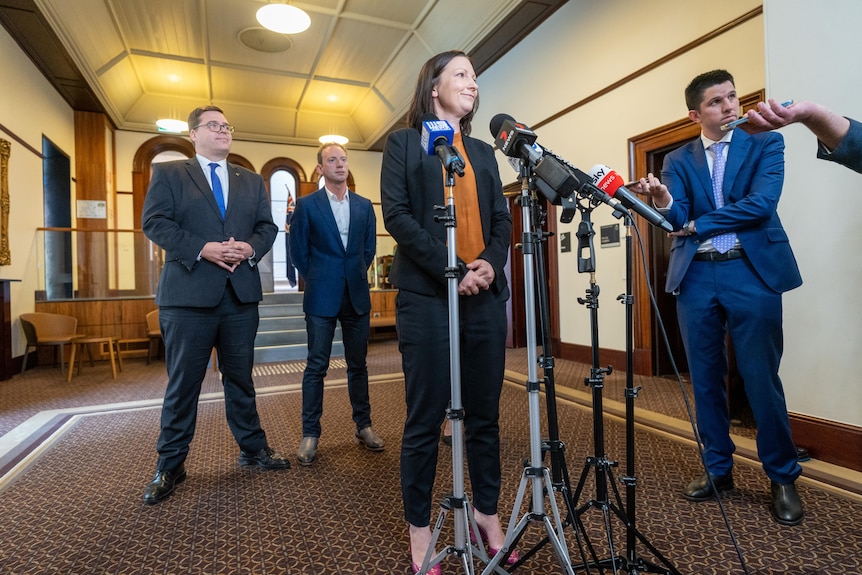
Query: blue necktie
column 217, row 189
column 722, row 243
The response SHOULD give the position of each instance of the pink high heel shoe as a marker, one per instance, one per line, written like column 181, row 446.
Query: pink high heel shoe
column 513, row 558
column 436, row 570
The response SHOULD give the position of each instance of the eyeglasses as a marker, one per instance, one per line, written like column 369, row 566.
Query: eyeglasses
column 216, row 127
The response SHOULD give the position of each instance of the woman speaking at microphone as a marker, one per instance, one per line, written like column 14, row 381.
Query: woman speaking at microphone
column 412, row 184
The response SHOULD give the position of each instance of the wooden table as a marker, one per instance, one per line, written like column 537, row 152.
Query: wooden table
column 113, row 352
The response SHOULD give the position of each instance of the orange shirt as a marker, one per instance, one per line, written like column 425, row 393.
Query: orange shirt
column 469, row 241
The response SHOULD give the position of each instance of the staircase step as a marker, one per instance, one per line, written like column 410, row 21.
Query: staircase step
column 273, row 354
column 281, row 334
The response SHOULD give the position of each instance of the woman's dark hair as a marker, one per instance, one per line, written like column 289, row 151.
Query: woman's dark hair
column 429, row 76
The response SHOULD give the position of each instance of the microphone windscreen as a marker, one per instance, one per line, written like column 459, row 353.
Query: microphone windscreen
column 606, row 179
column 434, row 129
column 497, row 123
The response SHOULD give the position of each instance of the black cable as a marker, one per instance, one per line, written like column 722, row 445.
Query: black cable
column 687, row 401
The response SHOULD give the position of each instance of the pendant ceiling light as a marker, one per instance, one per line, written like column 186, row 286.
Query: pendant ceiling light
column 283, row 18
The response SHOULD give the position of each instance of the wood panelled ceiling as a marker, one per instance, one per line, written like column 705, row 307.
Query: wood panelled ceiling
column 351, row 73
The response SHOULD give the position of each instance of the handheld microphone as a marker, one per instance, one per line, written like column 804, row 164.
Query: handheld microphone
column 611, row 183
column 436, row 139
column 518, row 141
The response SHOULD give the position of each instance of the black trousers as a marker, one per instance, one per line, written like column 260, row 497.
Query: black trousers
column 422, row 323
column 190, row 335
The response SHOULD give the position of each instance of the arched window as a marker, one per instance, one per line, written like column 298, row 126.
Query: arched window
column 282, row 193
column 283, row 177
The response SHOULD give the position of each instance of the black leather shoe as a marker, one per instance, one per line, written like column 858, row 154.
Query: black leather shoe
column 701, row 490
column 268, row 458
column 786, row 505
column 163, row 484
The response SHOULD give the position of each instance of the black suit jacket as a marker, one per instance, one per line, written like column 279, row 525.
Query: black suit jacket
column 411, row 185
column 181, row 215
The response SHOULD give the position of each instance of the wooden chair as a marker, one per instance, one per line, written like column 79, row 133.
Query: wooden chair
column 154, row 332
column 48, row 329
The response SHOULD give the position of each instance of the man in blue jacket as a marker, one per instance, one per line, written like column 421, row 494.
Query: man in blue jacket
column 333, row 240
column 730, row 261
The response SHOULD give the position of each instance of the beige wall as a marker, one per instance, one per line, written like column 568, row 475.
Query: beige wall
column 29, row 108
column 812, row 53
column 584, row 47
column 579, row 51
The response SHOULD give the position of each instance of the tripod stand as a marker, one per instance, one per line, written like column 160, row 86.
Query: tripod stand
column 535, row 475
column 598, row 461
column 457, row 500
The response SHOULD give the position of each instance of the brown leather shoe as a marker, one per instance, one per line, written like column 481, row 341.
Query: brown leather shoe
column 307, row 451
column 267, row 458
column 369, row 439
column 786, row 505
column 163, row 484
column 701, row 490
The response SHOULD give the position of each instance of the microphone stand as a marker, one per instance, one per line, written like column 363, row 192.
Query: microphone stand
column 535, row 474
column 457, row 500
column 630, row 563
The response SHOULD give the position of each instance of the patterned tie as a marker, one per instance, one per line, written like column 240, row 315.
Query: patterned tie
column 217, row 189
column 722, row 242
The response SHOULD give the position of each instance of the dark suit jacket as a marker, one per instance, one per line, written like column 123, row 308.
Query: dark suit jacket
column 849, row 151
column 753, row 178
column 411, row 184
column 181, row 215
column 317, row 252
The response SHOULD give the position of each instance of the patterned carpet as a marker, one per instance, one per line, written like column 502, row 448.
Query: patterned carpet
column 70, row 488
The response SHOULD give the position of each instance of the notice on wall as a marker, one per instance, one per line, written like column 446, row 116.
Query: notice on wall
column 95, row 209
column 610, row 235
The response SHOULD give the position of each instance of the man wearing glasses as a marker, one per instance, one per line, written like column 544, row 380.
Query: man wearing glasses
column 214, row 221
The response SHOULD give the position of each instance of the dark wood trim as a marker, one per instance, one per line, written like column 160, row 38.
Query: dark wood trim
column 282, row 163
column 661, row 139
column 583, row 354
column 696, row 43
column 31, row 30
column 8, row 368
column 15, row 137
column 830, row 441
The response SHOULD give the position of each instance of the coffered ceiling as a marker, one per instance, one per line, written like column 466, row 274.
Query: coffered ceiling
column 351, row 73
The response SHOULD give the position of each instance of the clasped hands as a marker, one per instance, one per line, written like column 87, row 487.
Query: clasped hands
column 480, row 275
column 227, row 254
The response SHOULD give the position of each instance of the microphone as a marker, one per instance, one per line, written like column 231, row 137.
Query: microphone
column 611, row 183
column 518, row 141
column 436, row 139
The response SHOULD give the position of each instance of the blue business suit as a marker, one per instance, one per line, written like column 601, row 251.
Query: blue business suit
column 202, row 305
column 742, row 296
column 336, row 288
